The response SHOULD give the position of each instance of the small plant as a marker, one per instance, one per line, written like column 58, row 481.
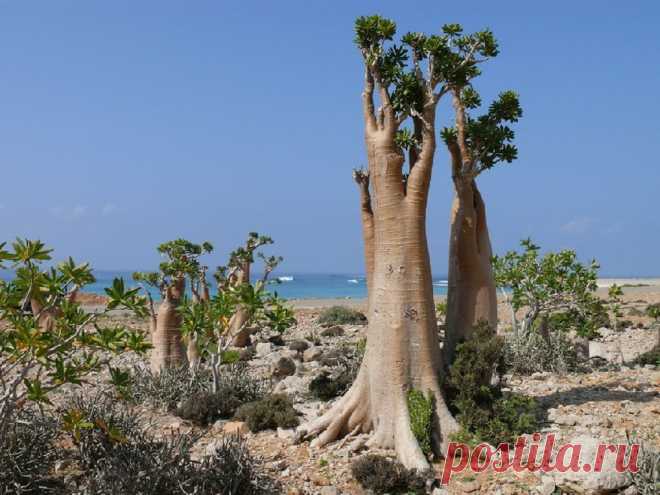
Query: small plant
column 313, row 337
column 230, row 356
column 651, row 357
column 169, row 387
column 269, row 413
column 554, row 352
column 27, row 453
column 441, row 310
column 653, row 311
column 341, row 315
column 420, row 410
column 647, row 479
column 383, row 475
column 231, row 469
column 323, row 462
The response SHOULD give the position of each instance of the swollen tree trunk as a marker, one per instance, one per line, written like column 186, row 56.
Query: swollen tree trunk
column 402, row 350
column 237, row 326
column 367, row 221
column 471, row 295
column 168, row 349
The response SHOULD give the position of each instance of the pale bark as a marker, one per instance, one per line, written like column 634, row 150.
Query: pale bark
column 168, row 349
column 237, row 326
column 402, row 350
column 471, row 291
column 367, row 220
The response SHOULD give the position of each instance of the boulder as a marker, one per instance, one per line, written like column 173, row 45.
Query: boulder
column 587, row 481
column 312, row 354
column 263, row 348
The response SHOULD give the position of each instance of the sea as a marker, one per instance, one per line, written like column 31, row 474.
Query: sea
column 287, row 285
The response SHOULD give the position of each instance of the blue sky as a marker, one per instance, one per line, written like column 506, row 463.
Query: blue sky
column 124, row 124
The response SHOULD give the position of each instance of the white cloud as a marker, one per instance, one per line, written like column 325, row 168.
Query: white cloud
column 73, row 213
column 108, row 209
column 580, row 225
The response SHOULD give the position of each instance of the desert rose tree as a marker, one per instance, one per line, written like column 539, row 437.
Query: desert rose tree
column 181, row 263
column 475, row 144
column 402, row 354
column 212, row 323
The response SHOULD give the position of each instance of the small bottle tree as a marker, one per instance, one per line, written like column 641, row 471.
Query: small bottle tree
column 181, row 263
column 239, row 307
column 475, row 144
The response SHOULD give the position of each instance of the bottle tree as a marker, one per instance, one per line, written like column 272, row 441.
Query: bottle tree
column 182, row 262
column 402, row 354
column 475, row 144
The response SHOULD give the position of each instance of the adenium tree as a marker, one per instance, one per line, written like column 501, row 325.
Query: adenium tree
column 402, row 351
column 475, row 144
column 181, row 263
column 47, row 340
column 213, row 324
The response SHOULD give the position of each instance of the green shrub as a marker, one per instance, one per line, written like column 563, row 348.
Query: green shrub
column 204, row 408
column 325, row 387
column 230, row 356
column 482, row 409
column 653, row 311
column 341, row 315
column 383, row 475
column 269, row 413
column 651, row 357
column 420, row 410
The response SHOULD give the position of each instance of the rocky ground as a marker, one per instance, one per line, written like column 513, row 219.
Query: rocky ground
column 599, row 406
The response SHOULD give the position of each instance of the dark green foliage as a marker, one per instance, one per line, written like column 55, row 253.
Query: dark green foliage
column 120, row 456
column 653, row 311
column 325, row 387
column 420, row 410
column 269, row 413
column 487, row 136
column 230, row 356
column 383, row 475
column 206, row 407
column 651, row 357
column 27, row 453
column 341, row 315
column 236, row 386
column 482, row 409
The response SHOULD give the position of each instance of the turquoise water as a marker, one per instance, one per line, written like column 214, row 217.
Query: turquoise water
column 290, row 286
